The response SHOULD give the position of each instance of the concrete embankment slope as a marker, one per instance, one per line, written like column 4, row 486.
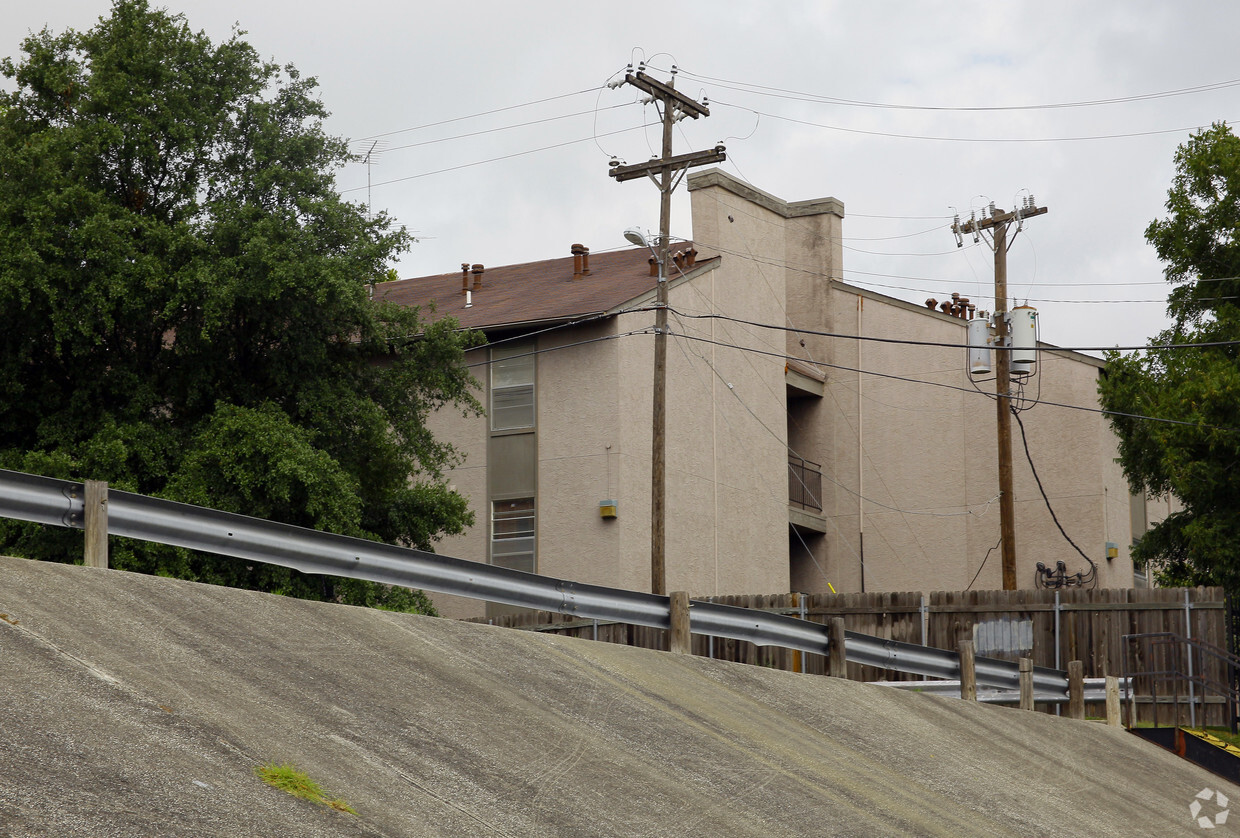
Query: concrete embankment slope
column 139, row 706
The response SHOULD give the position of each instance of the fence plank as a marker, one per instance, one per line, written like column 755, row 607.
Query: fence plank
column 1092, row 628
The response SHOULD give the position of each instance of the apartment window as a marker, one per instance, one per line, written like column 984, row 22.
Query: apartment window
column 512, row 534
column 512, row 386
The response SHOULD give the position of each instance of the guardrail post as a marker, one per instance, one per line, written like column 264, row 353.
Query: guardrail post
column 1026, row 684
column 1076, row 690
column 837, row 663
column 96, row 552
column 1113, row 711
column 678, row 639
column 968, row 672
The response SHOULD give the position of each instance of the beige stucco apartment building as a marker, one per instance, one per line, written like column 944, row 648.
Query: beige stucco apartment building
column 799, row 457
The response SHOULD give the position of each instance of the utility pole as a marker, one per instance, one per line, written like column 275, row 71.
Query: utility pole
column 670, row 170
column 998, row 225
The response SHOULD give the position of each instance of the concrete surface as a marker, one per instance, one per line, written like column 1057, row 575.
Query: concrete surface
column 139, row 706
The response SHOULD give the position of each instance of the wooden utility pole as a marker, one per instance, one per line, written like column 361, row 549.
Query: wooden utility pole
column 998, row 225
column 669, row 170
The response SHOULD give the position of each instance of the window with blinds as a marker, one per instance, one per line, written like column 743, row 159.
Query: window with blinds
column 512, row 534
column 512, row 386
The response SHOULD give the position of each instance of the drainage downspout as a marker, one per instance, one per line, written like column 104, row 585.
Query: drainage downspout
column 860, row 455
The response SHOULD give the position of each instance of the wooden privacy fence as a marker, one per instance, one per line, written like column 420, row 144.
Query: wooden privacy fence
column 1051, row 627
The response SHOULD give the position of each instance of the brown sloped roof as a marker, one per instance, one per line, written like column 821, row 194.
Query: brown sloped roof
column 534, row 292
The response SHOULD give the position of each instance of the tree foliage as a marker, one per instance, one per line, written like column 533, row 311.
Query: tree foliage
column 1198, row 462
column 187, row 306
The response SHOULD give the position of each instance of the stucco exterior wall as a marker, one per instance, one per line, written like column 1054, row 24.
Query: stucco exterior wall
column 578, row 445
column 924, row 459
column 909, row 468
column 726, row 460
column 469, row 436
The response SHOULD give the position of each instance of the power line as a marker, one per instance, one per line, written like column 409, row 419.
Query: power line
column 813, row 271
column 1093, row 568
column 938, row 280
column 783, row 93
column 534, row 352
column 1031, row 402
column 505, row 128
column 893, row 135
column 912, row 342
column 950, row 252
column 890, row 376
column 938, row 228
column 1162, row 300
column 941, row 280
column 501, row 157
column 983, row 564
column 786, row 357
column 792, row 451
column 852, row 214
column 475, row 115
column 842, row 336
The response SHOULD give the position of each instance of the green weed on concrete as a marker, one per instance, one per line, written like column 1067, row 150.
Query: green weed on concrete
column 298, row 783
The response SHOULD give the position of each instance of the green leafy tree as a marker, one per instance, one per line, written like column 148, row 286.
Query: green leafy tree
column 187, row 310
column 1198, row 463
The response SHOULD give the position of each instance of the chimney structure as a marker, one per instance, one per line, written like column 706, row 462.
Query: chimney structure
column 957, row 306
column 464, row 278
column 477, row 271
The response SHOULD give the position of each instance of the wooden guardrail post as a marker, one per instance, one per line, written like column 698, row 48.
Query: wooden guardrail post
column 1076, row 690
column 837, row 662
column 96, row 520
column 679, row 638
column 1026, row 684
column 1113, row 706
column 968, row 671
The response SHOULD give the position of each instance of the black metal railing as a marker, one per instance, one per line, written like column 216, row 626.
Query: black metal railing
column 804, row 483
column 1183, row 672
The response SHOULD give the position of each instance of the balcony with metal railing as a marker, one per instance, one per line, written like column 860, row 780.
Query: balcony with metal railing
column 804, row 484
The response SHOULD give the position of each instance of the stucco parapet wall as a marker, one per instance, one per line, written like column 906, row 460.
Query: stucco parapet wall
column 1070, row 354
column 717, row 177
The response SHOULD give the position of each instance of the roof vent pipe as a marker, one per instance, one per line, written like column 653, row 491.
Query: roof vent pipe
column 576, row 250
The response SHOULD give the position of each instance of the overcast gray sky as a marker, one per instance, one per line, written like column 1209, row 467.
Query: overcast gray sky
column 389, row 70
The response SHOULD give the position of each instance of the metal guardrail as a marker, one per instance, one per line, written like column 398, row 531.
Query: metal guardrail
column 1095, row 691
column 56, row 502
